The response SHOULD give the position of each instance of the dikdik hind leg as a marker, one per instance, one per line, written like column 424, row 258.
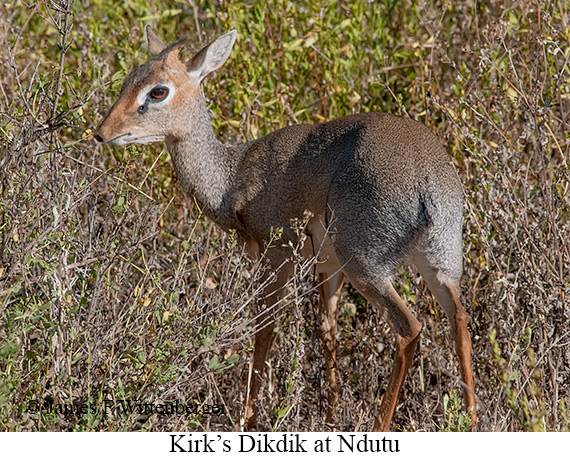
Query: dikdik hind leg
column 445, row 291
column 407, row 329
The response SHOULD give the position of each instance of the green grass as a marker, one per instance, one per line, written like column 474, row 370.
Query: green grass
column 113, row 287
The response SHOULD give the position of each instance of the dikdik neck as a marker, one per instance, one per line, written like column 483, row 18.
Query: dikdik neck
column 205, row 167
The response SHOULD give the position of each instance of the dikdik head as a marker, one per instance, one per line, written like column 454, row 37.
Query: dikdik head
column 156, row 95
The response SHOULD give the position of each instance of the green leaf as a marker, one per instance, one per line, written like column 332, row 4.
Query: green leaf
column 214, row 363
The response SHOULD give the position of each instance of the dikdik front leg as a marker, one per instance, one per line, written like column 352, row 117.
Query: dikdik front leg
column 266, row 310
column 329, row 293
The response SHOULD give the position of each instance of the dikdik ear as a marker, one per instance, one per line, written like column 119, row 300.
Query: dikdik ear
column 211, row 57
column 155, row 44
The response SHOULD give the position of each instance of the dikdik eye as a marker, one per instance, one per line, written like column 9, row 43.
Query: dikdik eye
column 159, row 93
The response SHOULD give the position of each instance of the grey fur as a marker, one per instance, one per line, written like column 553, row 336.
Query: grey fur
column 385, row 181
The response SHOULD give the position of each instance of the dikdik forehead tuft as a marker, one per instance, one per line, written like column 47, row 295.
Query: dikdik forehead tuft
column 141, row 76
column 152, row 71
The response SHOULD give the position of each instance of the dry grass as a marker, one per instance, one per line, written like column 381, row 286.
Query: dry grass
column 112, row 287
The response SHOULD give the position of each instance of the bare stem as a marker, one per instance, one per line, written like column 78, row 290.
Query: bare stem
column 63, row 26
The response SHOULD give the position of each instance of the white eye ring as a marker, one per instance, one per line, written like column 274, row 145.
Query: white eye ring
column 157, row 92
